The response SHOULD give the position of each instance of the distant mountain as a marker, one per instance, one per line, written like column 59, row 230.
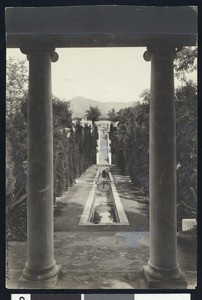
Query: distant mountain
column 79, row 105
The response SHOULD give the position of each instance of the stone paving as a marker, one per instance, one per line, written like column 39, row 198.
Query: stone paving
column 102, row 257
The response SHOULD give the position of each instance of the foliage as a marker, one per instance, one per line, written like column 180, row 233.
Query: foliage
column 185, row 62
column 62, row 116
column 93, row 113
column 16, row 138
column 74, row 152
column 74, row 148
column 130, row 145
column 112, row 115
column 17, row 223
column 16, row 85
column 145, row 96
column 186, row 111
column 16, row 126
column 10, row 178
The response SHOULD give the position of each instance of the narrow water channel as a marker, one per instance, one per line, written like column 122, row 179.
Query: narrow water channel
column 104, row 210
column 103, row 149
column 103, row 206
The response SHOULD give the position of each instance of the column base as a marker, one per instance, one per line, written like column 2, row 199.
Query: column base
column 164, row 280
column 43, row 274
column 39, row 281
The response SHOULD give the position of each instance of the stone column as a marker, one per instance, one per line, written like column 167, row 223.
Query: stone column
column 162, row 269
column 40, row 241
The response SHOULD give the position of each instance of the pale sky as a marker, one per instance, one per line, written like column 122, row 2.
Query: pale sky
column 102, row 74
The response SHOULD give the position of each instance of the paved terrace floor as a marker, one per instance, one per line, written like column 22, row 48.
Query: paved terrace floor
column 101, row 257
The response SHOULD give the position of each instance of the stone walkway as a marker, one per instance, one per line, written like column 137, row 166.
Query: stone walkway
column 102, row 257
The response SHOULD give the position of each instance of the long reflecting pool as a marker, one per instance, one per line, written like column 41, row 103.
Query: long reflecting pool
column 103, row 206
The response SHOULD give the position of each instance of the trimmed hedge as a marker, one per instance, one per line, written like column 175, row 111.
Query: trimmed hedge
column 130, row 145
column 74, row 150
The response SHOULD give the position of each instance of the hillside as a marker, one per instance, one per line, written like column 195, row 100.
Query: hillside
column 79, row 105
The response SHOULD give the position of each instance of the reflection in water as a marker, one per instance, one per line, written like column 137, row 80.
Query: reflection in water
column 104, row 211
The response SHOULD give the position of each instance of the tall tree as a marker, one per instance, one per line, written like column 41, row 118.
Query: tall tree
column 16, row 127
column 185, row 62
column 16, row 84
column 62, row 115
column 145, row 96
column 93, row 113
column 112, row 115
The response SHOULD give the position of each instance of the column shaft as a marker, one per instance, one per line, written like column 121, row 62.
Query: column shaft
column 40, row 249
column 163, row 221
column 162, row 163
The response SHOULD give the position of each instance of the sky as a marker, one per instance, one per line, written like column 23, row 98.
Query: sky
column 102, row 74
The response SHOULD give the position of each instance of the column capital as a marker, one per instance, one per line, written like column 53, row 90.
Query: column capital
column 29, row 50
column 161, row 51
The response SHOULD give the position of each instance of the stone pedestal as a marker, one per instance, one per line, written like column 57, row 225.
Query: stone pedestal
column 162, row 269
